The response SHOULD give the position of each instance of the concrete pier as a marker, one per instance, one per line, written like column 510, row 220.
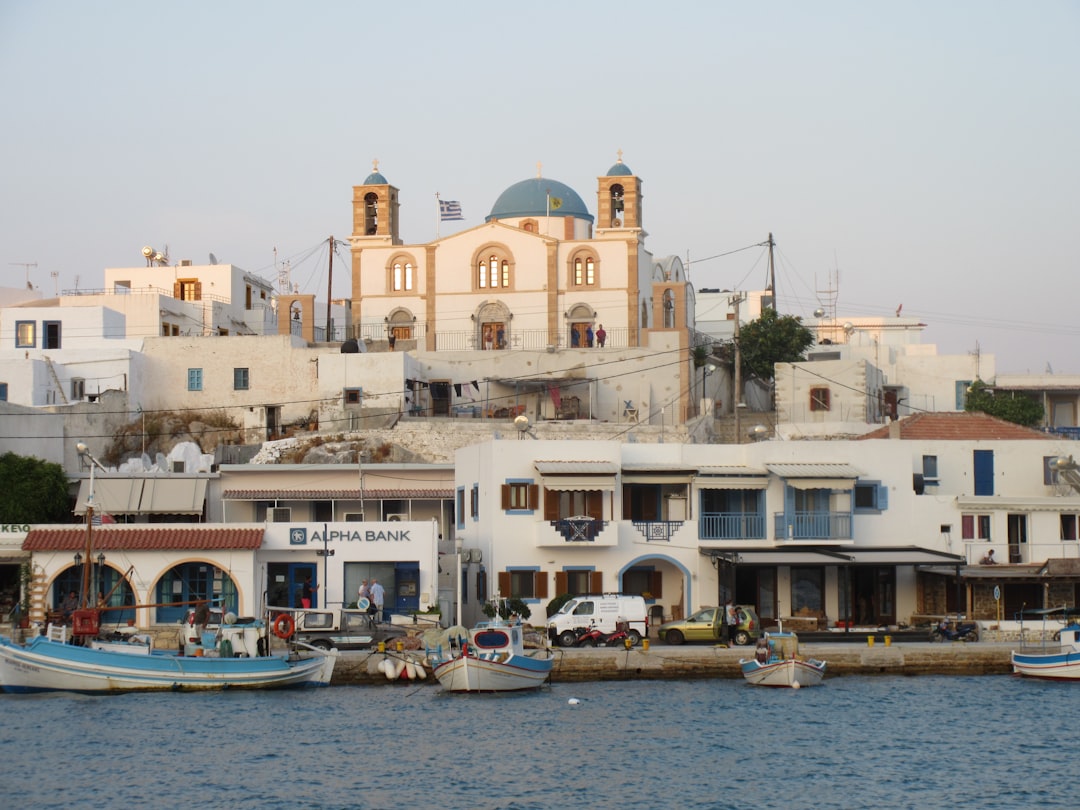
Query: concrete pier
column 663, row 662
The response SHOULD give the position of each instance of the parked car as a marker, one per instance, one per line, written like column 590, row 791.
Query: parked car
column 708, row 625
column 344, row 629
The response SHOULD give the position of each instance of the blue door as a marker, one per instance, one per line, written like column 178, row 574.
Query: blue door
column 984, row 472
column 406, row 588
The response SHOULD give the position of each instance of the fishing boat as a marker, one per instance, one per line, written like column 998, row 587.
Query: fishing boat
column 490, row 658
column 229, row 658
column 1056, row 657
column 777, row 662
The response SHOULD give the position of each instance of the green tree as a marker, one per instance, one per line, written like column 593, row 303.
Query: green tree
column 32, row 491
column 1012, row 407
column 772, row 339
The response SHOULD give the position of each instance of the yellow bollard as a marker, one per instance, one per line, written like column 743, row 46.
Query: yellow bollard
column 627, row 643
column 400, row 645
column 869, row 641
column 645, row 645
column 888, row 641
column 382, row 646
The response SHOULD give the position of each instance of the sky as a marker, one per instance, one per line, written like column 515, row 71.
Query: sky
column 921, row 156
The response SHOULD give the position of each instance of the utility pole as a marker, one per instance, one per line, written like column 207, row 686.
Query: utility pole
column 330, row 292
column 772, row 272
column 734, row 301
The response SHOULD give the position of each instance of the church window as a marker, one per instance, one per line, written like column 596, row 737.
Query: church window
column 584, row 271
column 493, row 272
column 403, row 276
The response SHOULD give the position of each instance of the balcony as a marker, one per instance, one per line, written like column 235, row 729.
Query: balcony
column 812, row 526
column 731, row 526
column 657, row 530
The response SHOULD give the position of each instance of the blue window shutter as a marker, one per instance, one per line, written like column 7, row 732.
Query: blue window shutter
column 882, row 497
column 984, row 472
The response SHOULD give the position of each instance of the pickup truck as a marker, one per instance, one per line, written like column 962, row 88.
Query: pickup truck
column 708, row 625
column 342, row 628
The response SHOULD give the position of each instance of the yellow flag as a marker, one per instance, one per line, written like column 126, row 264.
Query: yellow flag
column 555, row 203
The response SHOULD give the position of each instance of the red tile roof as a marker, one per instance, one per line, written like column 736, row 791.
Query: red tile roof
column 143, row 538
column 333, row 494
column 956, row 426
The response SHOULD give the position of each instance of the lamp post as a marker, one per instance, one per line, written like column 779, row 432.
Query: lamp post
column 100, row 576
column 326, row 552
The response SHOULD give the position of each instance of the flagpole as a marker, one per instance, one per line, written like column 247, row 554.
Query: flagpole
column 438, row 215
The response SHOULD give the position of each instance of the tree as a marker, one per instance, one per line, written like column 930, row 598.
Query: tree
column 32, row 491
column 772, row 339
column 1012, row 407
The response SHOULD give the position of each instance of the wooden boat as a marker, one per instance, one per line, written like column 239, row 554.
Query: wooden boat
column 229, row 658
column 1056, row 659
column 491, row 658
column 778, row 663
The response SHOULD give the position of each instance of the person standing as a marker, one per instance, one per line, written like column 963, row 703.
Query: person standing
column 377, row 595
column 362, row 594
column 588, row 336
column 307, row 592
column 601, row 336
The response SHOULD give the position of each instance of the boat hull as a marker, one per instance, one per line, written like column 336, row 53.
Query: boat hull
column 1064, row 666
column 467, row 673
column 786, row 673
column 49, row 666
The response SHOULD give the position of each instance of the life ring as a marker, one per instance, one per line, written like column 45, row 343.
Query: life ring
column 284, row 626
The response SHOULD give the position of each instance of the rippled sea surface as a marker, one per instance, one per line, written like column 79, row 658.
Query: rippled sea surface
column 873, row 742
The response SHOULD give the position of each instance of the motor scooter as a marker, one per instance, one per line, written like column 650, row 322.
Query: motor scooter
column 593, row 637
column 955, row 631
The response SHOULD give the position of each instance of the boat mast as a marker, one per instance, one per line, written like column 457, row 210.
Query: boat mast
column 330, row 290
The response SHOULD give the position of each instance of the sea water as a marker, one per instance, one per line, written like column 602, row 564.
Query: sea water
column 854, row 742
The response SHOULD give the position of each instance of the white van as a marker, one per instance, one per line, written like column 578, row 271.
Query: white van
column 603, row 612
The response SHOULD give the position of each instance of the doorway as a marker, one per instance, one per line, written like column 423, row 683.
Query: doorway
column 286, row 584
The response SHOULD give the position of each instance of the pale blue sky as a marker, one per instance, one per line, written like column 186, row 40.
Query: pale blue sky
column 928, row 151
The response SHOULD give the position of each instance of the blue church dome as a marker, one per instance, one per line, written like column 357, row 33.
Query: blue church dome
column 620, row 169
column 375, row 179
column 529, row 198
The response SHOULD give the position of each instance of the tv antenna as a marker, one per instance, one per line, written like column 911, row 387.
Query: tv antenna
column 56, row 281
column 27, row 265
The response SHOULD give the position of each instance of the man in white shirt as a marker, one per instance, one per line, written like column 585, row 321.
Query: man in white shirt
column 377, row 594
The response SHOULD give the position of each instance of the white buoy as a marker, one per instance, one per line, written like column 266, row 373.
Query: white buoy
column 410, row 670
column 390, row 670
column 399, row 669
column 796, row 685
column 381, row 666
column 573, row 701
column 421, row 673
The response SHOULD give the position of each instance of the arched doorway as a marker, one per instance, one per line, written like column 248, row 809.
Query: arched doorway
column 192, row 582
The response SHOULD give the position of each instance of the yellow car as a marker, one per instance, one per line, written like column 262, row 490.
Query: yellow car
column 708, row 625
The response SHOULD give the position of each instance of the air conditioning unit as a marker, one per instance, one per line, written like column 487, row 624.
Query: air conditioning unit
column 178, row 466
column 280, row 514
column 397, row 517
column 354, row 517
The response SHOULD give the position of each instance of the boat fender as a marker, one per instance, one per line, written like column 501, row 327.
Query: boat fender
column 410, row 670
column 381, row 666
column 284, row 626
column 421, row 673
column 390, row 670
column 399, row 670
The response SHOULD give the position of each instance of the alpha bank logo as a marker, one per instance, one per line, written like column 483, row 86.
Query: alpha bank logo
column 297, row 537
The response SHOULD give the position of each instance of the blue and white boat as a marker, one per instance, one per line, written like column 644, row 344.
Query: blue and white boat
column 778, row 663
column 491, row 658
column 1057, row 658
column 230, row 658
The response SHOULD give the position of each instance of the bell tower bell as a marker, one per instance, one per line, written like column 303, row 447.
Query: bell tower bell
column 618, row 201
column 375, row 208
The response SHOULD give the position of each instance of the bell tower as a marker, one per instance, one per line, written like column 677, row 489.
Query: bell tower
column 375, row 209
column 618, row 202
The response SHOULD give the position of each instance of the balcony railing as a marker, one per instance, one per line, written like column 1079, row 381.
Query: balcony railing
column 657, row 530
column 579, row 529
column 731, row 526
column 813, row 526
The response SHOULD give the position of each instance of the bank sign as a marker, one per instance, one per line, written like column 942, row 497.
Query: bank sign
column 301, row 536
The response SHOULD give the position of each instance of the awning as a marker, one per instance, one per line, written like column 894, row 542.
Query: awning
column 173, row 496
column 732, row 482
column 150, row 495
column 577, row 483
column 821, row 483
column 114, row 496
column 793, row 555
column 656, row 478
column 576, row 467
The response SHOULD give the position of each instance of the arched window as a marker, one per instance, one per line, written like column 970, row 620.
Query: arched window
column 190, row 582
column 669, row 310
column 584, row 271
column 402, row 280
column 103, row 581
column 371, row 213
column 493, row 272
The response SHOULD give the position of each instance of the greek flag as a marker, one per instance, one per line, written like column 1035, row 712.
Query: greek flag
column 449, row 210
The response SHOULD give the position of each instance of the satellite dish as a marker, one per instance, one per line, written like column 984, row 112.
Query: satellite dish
column 148, row 251
column 758, row 432
column 819, row 313
column 849, row 327
column 521, row 422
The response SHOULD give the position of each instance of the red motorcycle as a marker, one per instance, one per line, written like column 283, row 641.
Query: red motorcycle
column 593, row 637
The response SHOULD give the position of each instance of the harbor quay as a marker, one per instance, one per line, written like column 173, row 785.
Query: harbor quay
column 663, row 662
